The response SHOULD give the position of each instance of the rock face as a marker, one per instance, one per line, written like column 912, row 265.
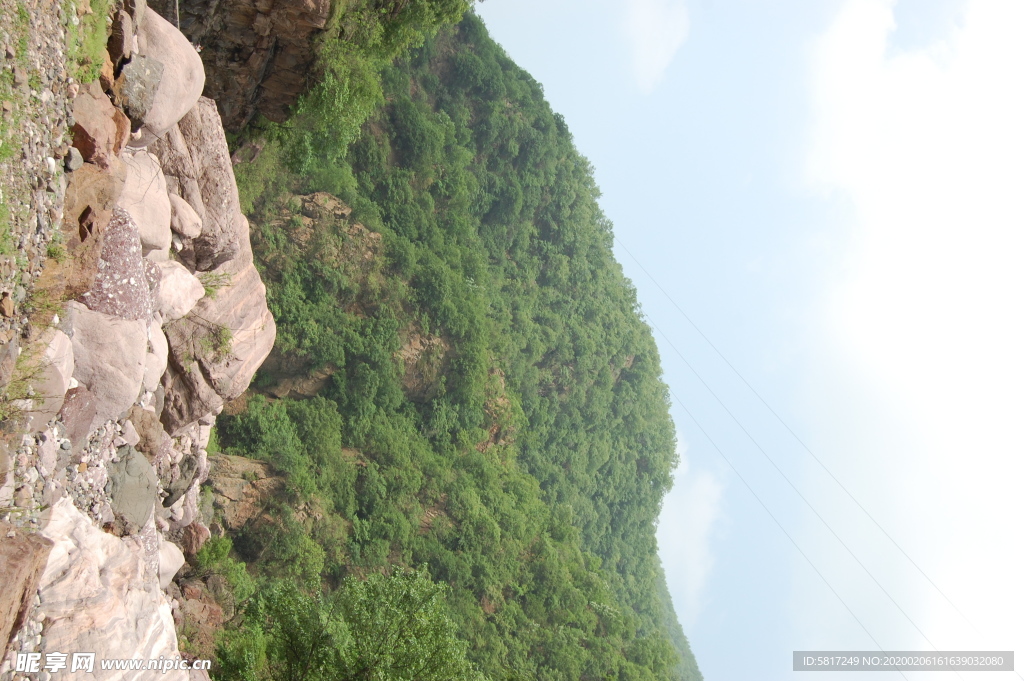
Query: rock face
column 241, row 488
column 168, row 320
column 22, row 558
column 97, row 596
column 195, row 158
column 258, row 53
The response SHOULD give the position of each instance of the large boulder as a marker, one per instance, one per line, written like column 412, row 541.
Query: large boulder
column 121, row 284
column 145, row 198
column 171, row 560
column 22, row 559
column 185, row 221
column 133, row 486
column 110, row 358
column 98, row 595
column 182, row 80
column 178, row 292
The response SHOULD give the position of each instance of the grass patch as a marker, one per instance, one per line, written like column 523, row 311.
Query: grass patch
column 87, row 41
column 217, row 343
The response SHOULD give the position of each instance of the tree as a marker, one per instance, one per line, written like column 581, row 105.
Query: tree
column 384, row 628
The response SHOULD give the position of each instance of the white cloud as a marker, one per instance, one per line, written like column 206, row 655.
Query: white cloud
column 928, row 148
column 688, row 516
column 656, row 29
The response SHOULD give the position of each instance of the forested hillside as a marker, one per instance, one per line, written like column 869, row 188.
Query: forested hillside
column 462, row 380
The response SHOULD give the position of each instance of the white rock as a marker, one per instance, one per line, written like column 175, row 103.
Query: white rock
column 97, row 598
column 178, row 291
column 156, row 359
column 52, row 379
column 171, row 560
column 145, row 198
column 110, row 357
column 129, row 434
column 183, row 78
column 184, row 218
column 204, row 435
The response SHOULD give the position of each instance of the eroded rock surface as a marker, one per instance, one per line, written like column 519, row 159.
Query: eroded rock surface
column 97, row 596
column 258, row 54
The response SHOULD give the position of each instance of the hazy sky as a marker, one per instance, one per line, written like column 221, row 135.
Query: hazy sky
column 833, row 191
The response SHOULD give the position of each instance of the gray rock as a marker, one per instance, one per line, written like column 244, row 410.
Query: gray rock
column 135, row 90
column 132, row 486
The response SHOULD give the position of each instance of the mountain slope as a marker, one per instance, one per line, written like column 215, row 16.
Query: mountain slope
column 462, row 379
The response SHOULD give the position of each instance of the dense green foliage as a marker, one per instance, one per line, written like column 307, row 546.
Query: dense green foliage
column 393, row 628
column 522, row 451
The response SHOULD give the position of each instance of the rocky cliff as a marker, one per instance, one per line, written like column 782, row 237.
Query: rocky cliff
column 156, row 319
column 258, row 53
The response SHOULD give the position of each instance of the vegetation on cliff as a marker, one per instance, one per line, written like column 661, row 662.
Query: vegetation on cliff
column 490, row 408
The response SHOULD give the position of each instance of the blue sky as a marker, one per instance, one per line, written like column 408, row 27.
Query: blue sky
column 831, row 190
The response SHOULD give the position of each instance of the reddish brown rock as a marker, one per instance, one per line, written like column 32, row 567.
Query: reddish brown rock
column 95, row 131
column 119, row 44
column 77, row 413
column 22, row 559
column 193, row 538
column 90, row 199
column 120, row 287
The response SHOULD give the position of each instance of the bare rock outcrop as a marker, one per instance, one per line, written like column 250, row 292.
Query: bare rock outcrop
column 97, row 595
column 258, row 53
column 241, row 488
column 194, row 156
column 168, row 320
column 22, row 559
column 215, row 351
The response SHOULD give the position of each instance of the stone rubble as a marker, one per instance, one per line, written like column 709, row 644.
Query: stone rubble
column 132, row 174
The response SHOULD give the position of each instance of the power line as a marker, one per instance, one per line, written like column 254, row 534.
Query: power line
column 795, row 489
column 791, row 432
column 776, row 520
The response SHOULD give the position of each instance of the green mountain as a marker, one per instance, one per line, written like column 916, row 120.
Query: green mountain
column 462, row 380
